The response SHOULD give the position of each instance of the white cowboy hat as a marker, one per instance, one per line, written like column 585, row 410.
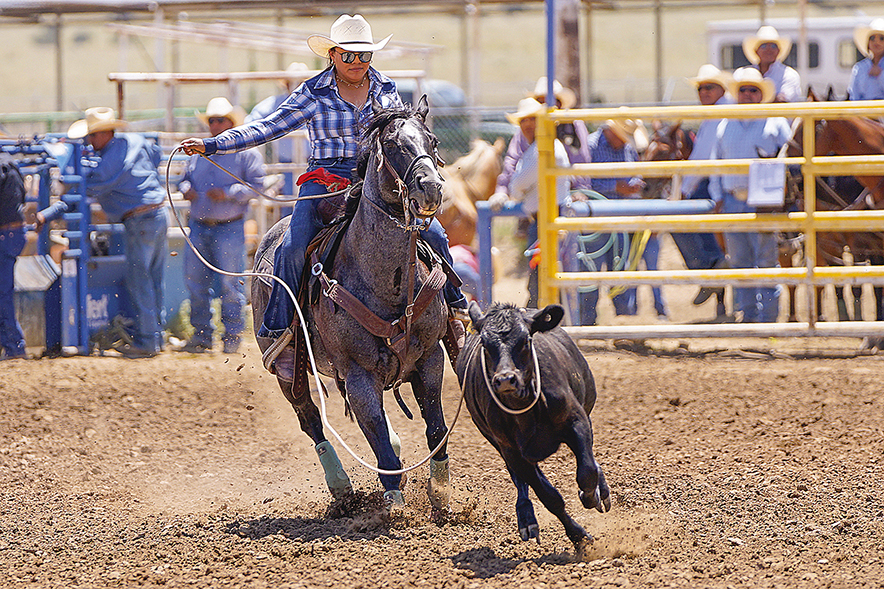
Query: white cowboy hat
column 564, row 95
column 630, row 131
column 766, row 34
column 221, row 107
column 710, row 74
column 352, row 33
column 528, row 107
column 861, row 35
column 749, row 76
column 99, row 118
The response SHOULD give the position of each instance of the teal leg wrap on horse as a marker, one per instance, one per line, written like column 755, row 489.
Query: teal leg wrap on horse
column 337, row 480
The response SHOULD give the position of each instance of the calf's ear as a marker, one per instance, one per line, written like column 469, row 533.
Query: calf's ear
column 545, row 319
column 476, row 315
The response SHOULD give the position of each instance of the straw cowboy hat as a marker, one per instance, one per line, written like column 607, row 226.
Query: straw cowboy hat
column 630, row 131
column 528, row 107
column 709, row 74
column 766, row 34
column 749, row 76
column 352, row 33
column 564, row 95
column 99, row 118
column 861, row 35
column 221, row 107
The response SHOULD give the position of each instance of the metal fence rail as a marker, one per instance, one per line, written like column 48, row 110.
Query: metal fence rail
column 810, row 222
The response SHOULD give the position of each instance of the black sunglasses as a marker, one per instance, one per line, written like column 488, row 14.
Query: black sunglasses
column 350, row 56
column 750, row 89
column 708, row 87
column 217, row 119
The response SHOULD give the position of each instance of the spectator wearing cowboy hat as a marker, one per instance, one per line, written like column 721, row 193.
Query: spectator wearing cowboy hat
column 701, row 251
column 574, row 137
column 126, row 184
column 218, row 206
column 332, row 105
column 766, row 50
column 616, row 141
column 522, row 185
column 866, row 81
column 745, row 139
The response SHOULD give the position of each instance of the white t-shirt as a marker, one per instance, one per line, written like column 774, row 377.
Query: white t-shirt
column 523, row 184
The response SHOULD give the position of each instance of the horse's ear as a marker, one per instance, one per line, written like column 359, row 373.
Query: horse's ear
column 545, row 319
column 423, row 108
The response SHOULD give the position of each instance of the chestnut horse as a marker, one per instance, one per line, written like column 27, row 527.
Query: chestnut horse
column 470, row 178
column 850, row 136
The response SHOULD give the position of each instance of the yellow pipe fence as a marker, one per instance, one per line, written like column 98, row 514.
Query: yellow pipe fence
column 809, row 222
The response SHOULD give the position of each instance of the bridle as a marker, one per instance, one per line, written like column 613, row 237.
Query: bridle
column 413, row 221
column 537, row 389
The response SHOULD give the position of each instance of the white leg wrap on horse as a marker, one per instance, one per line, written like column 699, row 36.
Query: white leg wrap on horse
column 271, row 353
column 337, row 480
column 394, row 438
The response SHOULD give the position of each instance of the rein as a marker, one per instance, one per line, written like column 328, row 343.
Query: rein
column 323, row 413
column 537, row 389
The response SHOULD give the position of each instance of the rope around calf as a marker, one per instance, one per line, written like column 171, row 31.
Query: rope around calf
column 319, row 386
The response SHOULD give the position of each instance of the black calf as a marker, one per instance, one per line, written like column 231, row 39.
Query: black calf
column 526, row 415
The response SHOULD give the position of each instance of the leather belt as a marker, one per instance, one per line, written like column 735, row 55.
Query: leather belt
column 141, row 210
column 11, row 226
column 215, row 222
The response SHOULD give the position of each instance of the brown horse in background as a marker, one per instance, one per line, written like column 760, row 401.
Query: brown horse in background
column 850, row 136
column 470, row 178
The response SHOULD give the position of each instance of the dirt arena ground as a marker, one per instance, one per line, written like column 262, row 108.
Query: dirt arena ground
column 754, row 468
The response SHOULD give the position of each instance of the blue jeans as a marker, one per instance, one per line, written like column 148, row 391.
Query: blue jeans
column 752, row 250
column 224, row 247
column 699, row 250
column 146, row 253
column 11, row 337
column 290, row 256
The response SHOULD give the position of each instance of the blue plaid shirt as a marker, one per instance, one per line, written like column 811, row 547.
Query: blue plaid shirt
column 602, row 151
column 332, row 122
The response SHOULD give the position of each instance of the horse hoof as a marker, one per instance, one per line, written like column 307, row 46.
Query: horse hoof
column 438, row 485
column 532, row 531
column 394, row 500
column 590, row 500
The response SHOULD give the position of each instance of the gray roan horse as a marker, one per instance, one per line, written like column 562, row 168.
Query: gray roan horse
column 401, row 192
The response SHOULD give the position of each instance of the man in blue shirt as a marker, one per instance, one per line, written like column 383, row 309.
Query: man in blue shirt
column 218, row 206
column 701, row 251
column 126, row 184
column 746, row 139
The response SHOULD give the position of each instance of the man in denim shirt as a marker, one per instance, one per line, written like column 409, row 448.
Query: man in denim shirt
column 218, row 206
column 126, row 184
column 12, row 241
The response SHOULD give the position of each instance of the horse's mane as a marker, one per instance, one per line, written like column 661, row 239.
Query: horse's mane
column 371, row 128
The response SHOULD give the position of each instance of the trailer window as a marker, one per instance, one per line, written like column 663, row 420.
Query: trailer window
column 732, row 56
column 848, row 54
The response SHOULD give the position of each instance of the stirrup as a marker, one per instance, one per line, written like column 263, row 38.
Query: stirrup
column 273, row 351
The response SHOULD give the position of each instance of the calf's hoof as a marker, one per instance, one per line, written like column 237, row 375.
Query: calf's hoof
column 531, row 531
column 593, row 501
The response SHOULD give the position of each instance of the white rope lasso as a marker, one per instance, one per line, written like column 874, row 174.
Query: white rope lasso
column 536, row 384
column 323, row 412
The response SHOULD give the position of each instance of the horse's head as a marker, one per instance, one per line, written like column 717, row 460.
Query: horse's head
column 668, row 143
column 405, row 151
